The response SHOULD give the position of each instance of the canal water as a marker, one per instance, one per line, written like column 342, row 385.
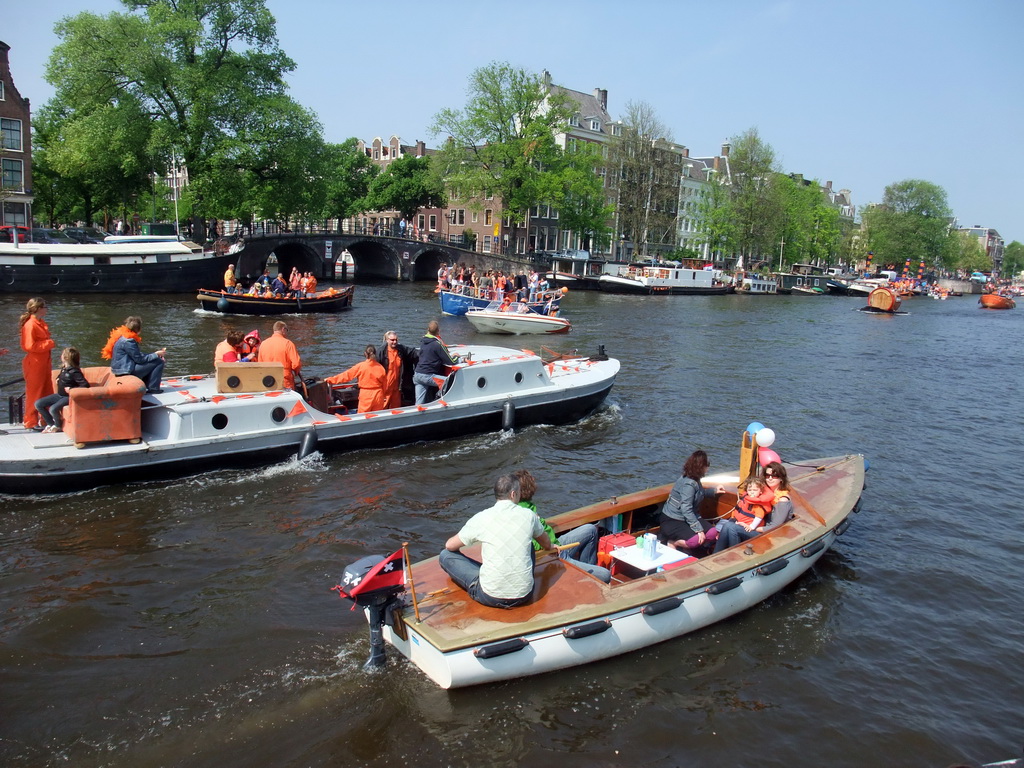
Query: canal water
column 191, row 622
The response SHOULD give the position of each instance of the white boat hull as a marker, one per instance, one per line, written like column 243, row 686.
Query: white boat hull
column 504, row 322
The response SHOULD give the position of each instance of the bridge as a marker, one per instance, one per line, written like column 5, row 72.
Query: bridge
column 391, row 256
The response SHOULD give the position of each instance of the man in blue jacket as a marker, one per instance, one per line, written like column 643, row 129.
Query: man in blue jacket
column 435, row 359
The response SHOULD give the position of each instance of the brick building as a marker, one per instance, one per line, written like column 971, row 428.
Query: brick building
column 15, row 149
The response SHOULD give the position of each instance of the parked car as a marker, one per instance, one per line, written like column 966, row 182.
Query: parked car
column 5, row 234
column 52, row 237
column 86, row 234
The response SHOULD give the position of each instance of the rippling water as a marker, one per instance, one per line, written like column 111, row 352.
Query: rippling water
column 190, row 622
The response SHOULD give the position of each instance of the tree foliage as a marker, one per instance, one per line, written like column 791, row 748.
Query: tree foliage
column 754, row 196
column 503, row 141
column 912, row 222
column 204, row 77
column 349, row 173
column 579, row 196
column 1013, row 259
column 406, row 185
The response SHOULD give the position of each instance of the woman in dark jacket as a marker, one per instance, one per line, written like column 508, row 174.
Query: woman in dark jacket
column 70, row 376
column 681, row 523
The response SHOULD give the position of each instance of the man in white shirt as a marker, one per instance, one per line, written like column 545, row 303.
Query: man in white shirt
column 505, row 532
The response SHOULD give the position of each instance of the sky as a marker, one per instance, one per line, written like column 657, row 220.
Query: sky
column 862, row 94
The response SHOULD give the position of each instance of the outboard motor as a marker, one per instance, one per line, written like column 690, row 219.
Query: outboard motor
column 374, row 583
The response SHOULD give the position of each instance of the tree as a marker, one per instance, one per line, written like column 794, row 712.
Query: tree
column 1013, row 259
column 912, row 222
column 406, row 185
column 756, row 200
column 196, row 71
column 579, row 196
column 968, row 254
column 349, row 175
column 646, row 174
column 503, row 141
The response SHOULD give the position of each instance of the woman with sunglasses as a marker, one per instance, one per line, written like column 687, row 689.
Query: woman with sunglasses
column 774, row 476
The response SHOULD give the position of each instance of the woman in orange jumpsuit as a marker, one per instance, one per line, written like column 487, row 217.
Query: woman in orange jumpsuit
column 371, row 375
column 36, row 367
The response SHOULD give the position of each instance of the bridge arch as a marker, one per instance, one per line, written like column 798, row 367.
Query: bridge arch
column 375, row 259
column 286, row 253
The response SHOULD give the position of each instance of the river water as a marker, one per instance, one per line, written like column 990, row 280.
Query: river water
column 191, row 622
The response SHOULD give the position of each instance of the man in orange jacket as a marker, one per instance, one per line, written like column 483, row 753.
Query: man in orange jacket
column 280, row 349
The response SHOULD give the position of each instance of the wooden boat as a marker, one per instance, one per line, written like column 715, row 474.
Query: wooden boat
column 883, row 299
column 576, row 618
column 126, row 267
column 803, row 290
column 242, row 416
column 664, row 280
column 331, row 300
column 515, row 318
column 802, row 278
column 459, row 302
column 996, row 301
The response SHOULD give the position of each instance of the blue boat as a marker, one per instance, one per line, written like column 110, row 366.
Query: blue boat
column 459, row 302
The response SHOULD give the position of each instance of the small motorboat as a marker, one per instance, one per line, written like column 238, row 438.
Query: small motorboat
column 459, row 301
column 574, row 617
column 996, row 301
column 516, row 318
column 331, row 300
column 241, row 415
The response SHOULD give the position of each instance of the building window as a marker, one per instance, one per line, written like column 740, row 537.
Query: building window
column 616, row 130
column 595, row 125
column 421, row 221
column 12, row 175
column 1, row 90
column 487, row 217
column 487, row 243
column 433, row 222
column 376, row 154
column 574, row 120
column 476, row 217
column 10, row 134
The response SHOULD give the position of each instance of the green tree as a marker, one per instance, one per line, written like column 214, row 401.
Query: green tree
column 968, row 254
column 406, row 185
column 1013, row 259
column 579, row 196
column 756, row 201
column 715, row 220
column 503, row 141
column 646, row 173
column 912, row 222
column 349, row 175
column 196, row 70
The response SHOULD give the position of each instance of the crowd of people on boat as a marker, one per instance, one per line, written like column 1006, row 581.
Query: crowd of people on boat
column 298, row 285
column 495, row 285
column 511, row 533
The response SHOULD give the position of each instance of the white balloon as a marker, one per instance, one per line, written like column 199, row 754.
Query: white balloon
column 765, row 437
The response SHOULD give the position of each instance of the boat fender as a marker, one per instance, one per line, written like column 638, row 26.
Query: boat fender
column 586, row 630
column 508, row 415
column 308, row 444
column 814, row 549
column 841, row 528
column 773, row 567
column 223, row 305
column 856, row 507
column 662, row 606
column 500, row 649
column 724, row 586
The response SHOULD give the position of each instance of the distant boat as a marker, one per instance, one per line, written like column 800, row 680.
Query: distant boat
column 515, row 318
column 883, row 299
column 996, row 301
column 665, row 280
column 126, row 267
column 332, row 300
column 458, row 302
column 751, row 284
column 802, row 278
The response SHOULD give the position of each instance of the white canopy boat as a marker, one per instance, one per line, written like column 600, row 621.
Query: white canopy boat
column 575, row 618
column 242, row 416
column 516, row 318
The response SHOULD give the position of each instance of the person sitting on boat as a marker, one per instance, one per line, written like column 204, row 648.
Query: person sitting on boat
column 506, row 532
column 278, row 287
column 585, row 537
column 126, row 358
column 280, row 349
column 250, row 347
column 435, row 359
column 229, row 350
column 399, row 361
column 263, row 281
column 682, row 525
column 780, row 511
column 69, row 377
column 506, row 303
column 295, row 281
column 370, row 376
column 746, row 518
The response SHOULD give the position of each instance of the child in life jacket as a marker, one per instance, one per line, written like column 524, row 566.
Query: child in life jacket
column 753, row 505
